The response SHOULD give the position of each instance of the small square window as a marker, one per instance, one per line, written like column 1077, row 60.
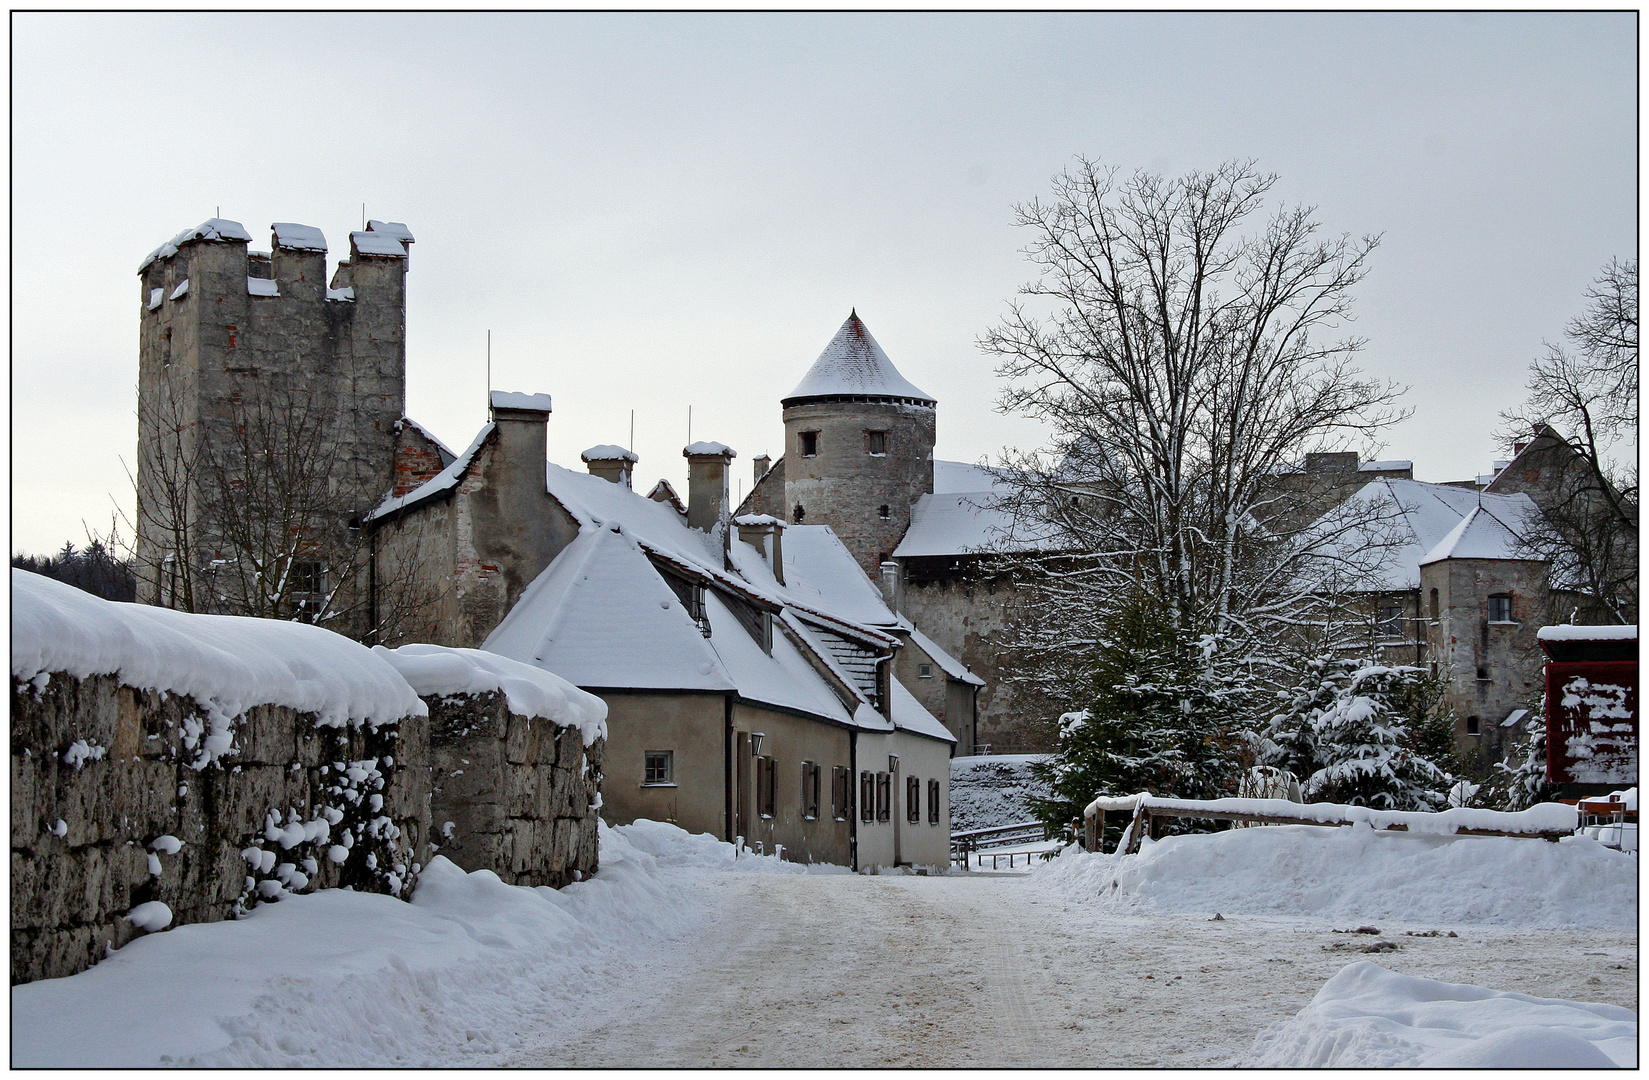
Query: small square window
column 1390, row 625
column 1473, row 726
column 884, row 511
column 810, row 443
column 1500, row 608
column 876, row 442
column 924, row 671
column 659, row 767
column 306, row 577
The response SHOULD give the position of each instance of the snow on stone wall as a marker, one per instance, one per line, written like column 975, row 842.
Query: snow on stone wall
column 991, row 790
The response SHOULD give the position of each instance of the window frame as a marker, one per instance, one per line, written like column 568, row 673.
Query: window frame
column 810, row 791
column 1504, row 601
column 884, row 796
column 876, row 442
column 669, row 775
column 766, row 774
column 1388, row 623
column 924, row 671
column 913, row 799
column 807, row 444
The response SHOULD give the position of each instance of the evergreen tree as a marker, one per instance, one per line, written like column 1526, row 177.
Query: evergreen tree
column 1353, row 734
column 1154, row 718
column 1520, row 782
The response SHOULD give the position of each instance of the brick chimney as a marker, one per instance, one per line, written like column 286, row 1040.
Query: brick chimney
column 612, row 463
column 707, row 484
column 766, row 535
column 763, row 463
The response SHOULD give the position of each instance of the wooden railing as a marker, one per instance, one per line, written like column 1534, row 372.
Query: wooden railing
column 1548, row 821
column 965, row 843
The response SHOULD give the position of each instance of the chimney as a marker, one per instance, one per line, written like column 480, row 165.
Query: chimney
column 763, row 463
column 707, row 484
column 612, row 463
column 766, row 535
column 890, row 585
column 515, row 470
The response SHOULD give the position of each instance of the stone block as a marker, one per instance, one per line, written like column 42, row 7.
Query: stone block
column 518, row 747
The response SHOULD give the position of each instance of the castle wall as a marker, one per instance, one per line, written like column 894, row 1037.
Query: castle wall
column 84, row 825
column 844, row 486
column 510, row 793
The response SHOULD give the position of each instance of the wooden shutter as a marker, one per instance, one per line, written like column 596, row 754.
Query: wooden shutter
column 913, row 799
column 867, row 796
column 884, row 796
column 933, row 802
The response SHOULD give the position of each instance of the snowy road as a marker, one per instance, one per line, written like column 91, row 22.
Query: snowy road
column 995, row 970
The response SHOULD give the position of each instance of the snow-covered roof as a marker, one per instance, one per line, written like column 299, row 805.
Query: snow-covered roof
column 784, row 678
column 960, row 523
column 1480, row 535
column 707, row 449
column 910, row 715
column 378, row 243
column 1588, row 633
column 262, row 286
column 1422, row 515
column 509, row 399
column 445, row 480
column 298, row 237
column 820, row 574
column 228, row 663
column 1385, row 466
column 854, row 364
column 951, row 477
column 391, row 228
column 435, row 670
column 947, row 663
column 447, row 456
column 608, row 452
column 210, row 229
column 600, row 615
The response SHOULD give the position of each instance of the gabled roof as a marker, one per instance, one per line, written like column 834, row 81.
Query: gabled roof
column 1480, row 535
column 1414, row 517
column 600, row 615
column 854, row 365
column 819, row 573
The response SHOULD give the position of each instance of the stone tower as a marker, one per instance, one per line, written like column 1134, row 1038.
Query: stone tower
column 232, row 340
column 858, row 446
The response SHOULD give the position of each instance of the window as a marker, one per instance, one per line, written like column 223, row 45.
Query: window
column 884, row 797
column 1473, row 726
column 810, row 790
column 884, row 512
column 765, row 768
column 1390, row 624
column 810, row 444
column 924, row 671
column 306, row 576
column 876, row 442
column 1434, row 607
column 1500, row 607
column 841, row 793
column 658, row 768
column 798, row 514
column 913, row 799
column 867, row 796
column 933, row 802
column 1482, row 673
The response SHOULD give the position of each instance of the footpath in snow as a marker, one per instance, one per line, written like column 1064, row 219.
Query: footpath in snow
column 678, row 954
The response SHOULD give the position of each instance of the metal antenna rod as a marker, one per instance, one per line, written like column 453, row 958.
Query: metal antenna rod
column 689, row 425
column 632, row 446
column 489, row 374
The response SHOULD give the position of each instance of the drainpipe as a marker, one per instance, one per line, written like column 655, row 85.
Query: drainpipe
column 855, row 795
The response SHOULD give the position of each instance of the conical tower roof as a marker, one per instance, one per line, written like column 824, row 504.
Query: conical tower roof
column 854, row 365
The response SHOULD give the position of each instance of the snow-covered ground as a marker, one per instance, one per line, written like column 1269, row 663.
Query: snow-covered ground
column 676, row 954
column 990, row 789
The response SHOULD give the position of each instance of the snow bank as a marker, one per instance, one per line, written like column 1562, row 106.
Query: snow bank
column 1368, row 1017
column 339, row 978
column 226, row 663
column 530, row 691
column 1358, row 874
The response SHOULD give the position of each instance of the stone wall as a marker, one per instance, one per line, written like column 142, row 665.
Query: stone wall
column 510, row 793
column 109, row 811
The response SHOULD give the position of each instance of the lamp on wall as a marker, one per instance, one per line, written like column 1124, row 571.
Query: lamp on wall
column 893, row 763
column 756, row 738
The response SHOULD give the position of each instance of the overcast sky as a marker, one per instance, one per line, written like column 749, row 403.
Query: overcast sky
column 657, row 211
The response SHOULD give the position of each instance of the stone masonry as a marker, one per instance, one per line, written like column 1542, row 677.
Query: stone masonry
column 511, row 793
column 102, row 786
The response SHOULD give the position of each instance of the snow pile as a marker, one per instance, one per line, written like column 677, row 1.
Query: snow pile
column 1542, row 817
column 530, row 691
column 295, row 237
column 339, row 978
column 991, row 790
column 1358, row 874
column 226, row 663
column 1368, row 1017
column 513, row 399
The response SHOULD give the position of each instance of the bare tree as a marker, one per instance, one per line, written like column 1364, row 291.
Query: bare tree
column 1581, row 417
column 241, row 514
column 1179, row 361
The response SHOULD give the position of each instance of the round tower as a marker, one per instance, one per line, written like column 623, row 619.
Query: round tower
column 858, row 446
